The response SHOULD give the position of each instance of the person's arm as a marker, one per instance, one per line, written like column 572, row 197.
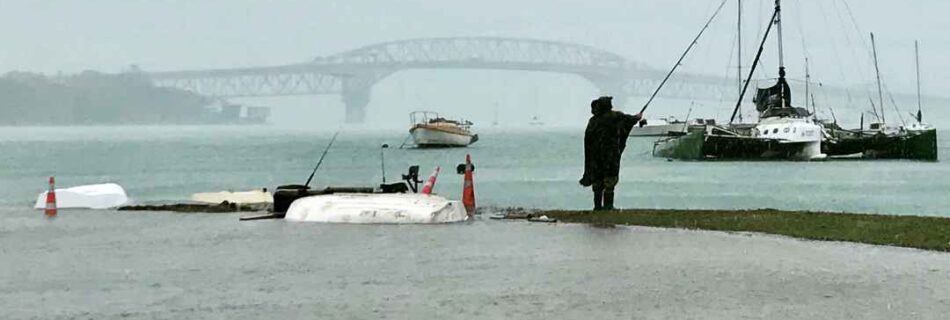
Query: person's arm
column 627, row 121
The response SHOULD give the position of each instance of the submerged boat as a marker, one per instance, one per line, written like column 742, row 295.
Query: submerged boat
column 907, row 144
column 783, row 132
column 431, row 130
column 917, row 141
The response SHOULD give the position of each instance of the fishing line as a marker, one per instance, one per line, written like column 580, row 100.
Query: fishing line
column 678, row 62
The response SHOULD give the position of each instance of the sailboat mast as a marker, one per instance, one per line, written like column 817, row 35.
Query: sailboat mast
column 781, row 55
column 755, row 62
column 807, row 83
column 877, row 70
column 739, row 46
column 739, row 50
column 917, row 62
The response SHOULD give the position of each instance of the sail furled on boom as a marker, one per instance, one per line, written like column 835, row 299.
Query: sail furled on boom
column 771, row 97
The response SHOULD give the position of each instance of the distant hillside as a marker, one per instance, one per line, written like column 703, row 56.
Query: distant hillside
column 94, row 98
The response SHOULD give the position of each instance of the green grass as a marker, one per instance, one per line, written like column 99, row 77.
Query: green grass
column 930, row 233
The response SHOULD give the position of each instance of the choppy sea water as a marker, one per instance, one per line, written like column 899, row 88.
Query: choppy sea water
column 95, row 264
column 525, row 168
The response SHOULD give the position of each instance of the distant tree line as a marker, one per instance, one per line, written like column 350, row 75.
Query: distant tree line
column 94, row 98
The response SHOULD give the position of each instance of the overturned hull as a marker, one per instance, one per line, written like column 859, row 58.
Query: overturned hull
column 397, row 208
column 700, row 145
column 910, row 145
column 93, row 196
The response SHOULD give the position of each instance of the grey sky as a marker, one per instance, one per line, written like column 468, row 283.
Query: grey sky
column 109, row 35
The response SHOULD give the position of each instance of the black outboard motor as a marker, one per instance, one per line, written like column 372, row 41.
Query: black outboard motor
column 412, row 178
column 285, row 195
column 410, row 182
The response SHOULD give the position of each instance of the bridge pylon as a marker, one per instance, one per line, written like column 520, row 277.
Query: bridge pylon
column 356, row 91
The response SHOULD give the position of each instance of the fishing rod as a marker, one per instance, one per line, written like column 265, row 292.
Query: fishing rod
column 680, row 61
column 321, row 159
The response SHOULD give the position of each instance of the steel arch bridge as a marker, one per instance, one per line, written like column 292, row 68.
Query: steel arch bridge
column 353, row 73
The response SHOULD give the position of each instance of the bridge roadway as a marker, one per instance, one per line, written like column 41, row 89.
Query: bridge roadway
column 353, row 73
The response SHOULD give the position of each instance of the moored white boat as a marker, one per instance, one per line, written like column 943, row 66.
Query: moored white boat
column 393, row 208
column 431, row 130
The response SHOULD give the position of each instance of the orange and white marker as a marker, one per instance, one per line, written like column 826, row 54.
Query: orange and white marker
column 468, row 187
column 51, row 199
column 430, row 184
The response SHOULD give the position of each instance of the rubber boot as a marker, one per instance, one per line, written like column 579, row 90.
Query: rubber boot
column 609, row 201
column 598, row 200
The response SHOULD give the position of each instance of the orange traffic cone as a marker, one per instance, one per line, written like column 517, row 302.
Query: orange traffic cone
column 51, row 199
column 430, row 184
column 468, row 187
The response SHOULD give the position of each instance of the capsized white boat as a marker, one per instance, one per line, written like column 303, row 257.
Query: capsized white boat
column 431, row 130
column 253, row 196
column 93, row 196
column 394, row 208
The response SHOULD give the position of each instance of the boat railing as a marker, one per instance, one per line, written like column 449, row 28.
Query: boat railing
column 422, row 117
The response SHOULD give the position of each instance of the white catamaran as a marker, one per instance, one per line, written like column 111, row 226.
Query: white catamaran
column 782, row 131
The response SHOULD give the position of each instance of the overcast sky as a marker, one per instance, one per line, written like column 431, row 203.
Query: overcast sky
column 110, row 35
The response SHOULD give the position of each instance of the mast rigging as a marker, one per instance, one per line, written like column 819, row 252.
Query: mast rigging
column 755, row 63
column 683, row 56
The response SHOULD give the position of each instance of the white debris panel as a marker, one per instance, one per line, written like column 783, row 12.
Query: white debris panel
column 253, row 196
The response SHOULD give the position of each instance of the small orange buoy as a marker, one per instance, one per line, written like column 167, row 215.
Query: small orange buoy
column 430, row 184
column 468, row 187
column 51, row 199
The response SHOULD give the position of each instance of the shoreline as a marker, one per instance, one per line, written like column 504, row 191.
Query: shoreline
column 919, row 232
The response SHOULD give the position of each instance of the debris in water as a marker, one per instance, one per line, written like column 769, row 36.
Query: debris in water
column 198, row 207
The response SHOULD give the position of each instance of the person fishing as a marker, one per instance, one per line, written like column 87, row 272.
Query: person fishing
column 604, row 141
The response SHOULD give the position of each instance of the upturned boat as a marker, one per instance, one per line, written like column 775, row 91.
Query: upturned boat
column 392, row 208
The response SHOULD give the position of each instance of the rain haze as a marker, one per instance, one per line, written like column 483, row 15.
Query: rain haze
column 246, row 159
column 110, row 36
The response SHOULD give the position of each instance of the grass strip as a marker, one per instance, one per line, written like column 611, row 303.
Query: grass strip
column 929, row 233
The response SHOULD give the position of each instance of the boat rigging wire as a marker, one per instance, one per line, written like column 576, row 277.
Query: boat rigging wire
column 758, row 56
column 683, row 56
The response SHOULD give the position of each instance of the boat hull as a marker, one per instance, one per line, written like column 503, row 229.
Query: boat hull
column 398, row 208
column 699, row 145
column 93, row 196
column 430, row 137
column 910, row 145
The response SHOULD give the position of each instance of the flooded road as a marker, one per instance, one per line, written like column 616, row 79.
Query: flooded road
column 95, row 264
